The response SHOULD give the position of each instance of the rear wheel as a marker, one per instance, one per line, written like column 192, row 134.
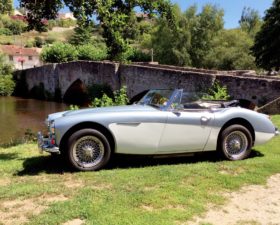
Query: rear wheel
column 236, row 142
column 88, row 149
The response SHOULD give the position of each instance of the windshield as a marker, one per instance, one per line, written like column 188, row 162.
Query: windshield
column 157, row 98
column 179, row 100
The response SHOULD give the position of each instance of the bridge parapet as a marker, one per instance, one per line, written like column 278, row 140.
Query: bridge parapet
column 57, row 78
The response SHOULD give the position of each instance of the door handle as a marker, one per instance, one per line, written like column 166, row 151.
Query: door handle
column 205, row 119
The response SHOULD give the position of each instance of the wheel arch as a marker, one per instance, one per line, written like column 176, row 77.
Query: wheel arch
column 237, row 121
column 88, row 125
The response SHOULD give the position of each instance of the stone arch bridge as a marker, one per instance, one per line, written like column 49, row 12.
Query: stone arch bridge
column 58, row 78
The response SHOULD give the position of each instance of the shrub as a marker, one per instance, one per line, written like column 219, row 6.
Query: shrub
column 217, row 92
column 50, row 40
column 38, row 42
column 59, row 52
column 136, row 55
column 29, row 43
column 66, row 23
column 120, row 98
column 97, row 91
column 5, row 31
column 90, row 52
column 15, row 26
column 7, row 85
column 104, row 101
column 5, row 68
column 73, row 107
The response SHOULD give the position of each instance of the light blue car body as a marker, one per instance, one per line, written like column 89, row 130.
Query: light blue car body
column 146, row 130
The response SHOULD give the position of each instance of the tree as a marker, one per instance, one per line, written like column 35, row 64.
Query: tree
column 172, row 46
column 207, row 25
column 6, row 6
column 188, row 44
column 82, row 34
column 230, row 51
column 267, row 42
column 112, row 14
column 250, row 21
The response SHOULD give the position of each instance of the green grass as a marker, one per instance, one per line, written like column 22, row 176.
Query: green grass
column 130, row 190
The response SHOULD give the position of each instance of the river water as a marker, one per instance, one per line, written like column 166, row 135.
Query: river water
column 17, row 115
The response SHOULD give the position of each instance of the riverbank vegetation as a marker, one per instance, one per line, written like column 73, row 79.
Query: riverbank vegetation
column 40, row 189
column 103, row 96
column 7, row 83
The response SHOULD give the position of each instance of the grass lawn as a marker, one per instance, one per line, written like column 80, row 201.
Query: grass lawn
column 39, row 189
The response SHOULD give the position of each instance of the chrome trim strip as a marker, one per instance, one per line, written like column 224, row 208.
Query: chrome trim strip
column 128, row 124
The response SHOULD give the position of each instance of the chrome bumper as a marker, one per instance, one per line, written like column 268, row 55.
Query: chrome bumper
column 276, row 131
column 44, row 145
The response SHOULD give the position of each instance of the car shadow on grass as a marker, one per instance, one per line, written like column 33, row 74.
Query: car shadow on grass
column 57, row 165
column 44, row 164
column 8, row 156
column 126, row 161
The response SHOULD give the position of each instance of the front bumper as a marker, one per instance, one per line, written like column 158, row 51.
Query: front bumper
column 44, row 144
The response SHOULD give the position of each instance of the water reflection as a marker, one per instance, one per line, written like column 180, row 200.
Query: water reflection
column 17, row 115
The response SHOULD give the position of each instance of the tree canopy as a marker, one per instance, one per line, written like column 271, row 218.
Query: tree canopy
column 250, row 21
column 114, row 16
column 267, row 43
column 230, row 51
column 6, row 6
column 192, row 40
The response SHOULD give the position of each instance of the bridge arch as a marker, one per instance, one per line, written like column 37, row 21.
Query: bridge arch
column 76, row 93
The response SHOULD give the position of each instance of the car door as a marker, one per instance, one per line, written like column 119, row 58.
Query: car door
column 140, row 134
column 186, row 131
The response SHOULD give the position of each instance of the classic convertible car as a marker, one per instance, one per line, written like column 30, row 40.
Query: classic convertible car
column 163, row 122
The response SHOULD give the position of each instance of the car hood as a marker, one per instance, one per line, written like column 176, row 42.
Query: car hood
column 112, row 109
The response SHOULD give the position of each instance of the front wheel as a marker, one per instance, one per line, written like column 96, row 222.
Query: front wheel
column 88, row 149
column 236, row 142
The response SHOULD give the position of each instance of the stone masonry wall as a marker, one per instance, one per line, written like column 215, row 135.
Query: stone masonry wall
column 271, row 108
column 62, row 76
column 260, row 90
column 137, row 78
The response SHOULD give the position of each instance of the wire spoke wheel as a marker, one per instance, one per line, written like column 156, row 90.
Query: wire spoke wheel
column 236, row 142
column 88, row 151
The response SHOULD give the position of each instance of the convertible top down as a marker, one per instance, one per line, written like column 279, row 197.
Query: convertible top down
column 163, row 122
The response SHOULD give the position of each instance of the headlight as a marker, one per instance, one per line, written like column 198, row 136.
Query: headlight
column 52, row 127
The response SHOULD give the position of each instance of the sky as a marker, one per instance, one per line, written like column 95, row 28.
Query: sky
column 232, row 8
